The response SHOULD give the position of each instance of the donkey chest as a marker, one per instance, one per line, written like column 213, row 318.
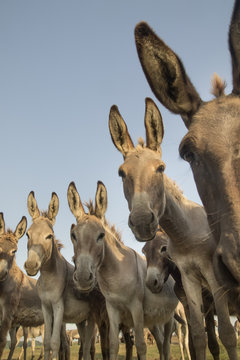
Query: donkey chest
column 50, row 291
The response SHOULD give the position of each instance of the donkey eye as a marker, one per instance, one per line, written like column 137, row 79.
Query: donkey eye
column 188, row 156
column 12, row 252
column 163, row 249
column 49, row 237
column 160, row 169
column 100, row 236
column 73, row 236
column 121, row 173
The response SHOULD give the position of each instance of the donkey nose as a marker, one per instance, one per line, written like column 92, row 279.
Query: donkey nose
column 75, row 276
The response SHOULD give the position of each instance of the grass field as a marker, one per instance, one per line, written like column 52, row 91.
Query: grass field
column 152, row 352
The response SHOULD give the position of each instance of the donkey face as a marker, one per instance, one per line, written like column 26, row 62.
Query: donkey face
column 141, row 172
column 87, row 237
column 158, row 264
column 8, row 245
column 211, row 145
column 40, row 234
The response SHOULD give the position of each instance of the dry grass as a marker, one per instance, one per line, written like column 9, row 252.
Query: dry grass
column 152, row 352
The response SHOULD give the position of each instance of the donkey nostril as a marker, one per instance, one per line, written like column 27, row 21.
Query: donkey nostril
column 155, row 283
column 130, row 221
column 153, row 218
column 90, row 276
column 74, row 276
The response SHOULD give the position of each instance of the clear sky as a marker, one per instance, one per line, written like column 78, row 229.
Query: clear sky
column 63, row 64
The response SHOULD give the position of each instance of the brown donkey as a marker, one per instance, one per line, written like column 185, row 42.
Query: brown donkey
column 154, row 199
column 100, row 255
column 20, row 303
column 211, row 145
column 160, row 267
column 55, row 283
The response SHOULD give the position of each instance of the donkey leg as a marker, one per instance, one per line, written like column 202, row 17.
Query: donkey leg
column 157, row 333
column 48, row 320
column 114, row 320
column 4, row 328
column 193, row 292
column 13, row 339
column 25, row 342
column 211, row 334
column 225, row 328
column 137, row 315
column 87, row 331
column 104, row 339
column 58, row 309
column 128, row 342
column 167, row 338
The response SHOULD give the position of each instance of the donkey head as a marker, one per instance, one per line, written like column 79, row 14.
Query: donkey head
column 158, row 263
column 40, row 234
column 211, row 145
column 8, row 245
column 87, row 236
column 142, row 172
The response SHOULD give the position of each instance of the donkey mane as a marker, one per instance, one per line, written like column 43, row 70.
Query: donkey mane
column 218, row 85
column 174, row 189
column 10, row 236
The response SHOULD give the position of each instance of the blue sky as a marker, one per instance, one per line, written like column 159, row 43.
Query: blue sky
column 63, row 64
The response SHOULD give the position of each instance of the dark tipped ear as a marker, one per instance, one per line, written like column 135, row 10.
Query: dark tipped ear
column 2, row 224
column 165, row 74
column 119, row 132
column 234, row 47
column 21, row 228
column 53, row 207
column 74, row 202
column 153, row 125
column 100, row 200
column 32, row 206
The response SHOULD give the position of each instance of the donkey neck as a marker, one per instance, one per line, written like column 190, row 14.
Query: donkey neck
column 183, row 220
column 54, row 264
column 112, row 253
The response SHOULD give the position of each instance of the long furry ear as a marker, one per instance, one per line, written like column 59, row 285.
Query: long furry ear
column 74, row 202
column 234, row 41
column 21, row 228
column 53, row 207
column 153, row 125
column 32, row 206
column 165, row 74
column 2, row 224
column 101, row 200
column 119, row 132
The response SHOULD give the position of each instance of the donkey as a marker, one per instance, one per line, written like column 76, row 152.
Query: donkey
column 55, row 284
column 100, row 256
column 19, row 301
column 211, row 145
column 153, row 200
column 160, row 267
column 26, row 333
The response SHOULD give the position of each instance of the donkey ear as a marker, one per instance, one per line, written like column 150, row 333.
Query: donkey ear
column 53, row 207
column 234, row 40
column 119, row 132
column 101, row 200
column 21, row 228
column 153, row 125
column 165, row 74
column 74, row 202
column 32, row 206
column 2, row 224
